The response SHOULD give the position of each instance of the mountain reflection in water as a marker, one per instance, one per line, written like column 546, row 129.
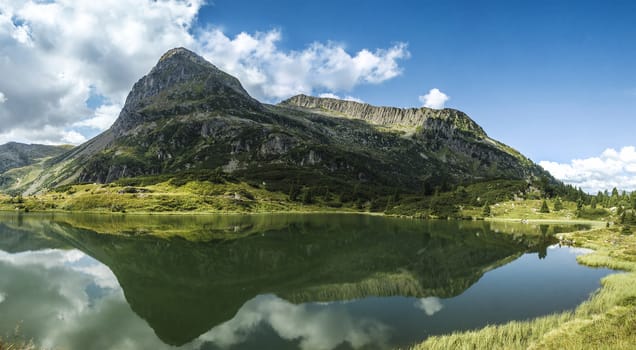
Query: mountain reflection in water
column 285, row 281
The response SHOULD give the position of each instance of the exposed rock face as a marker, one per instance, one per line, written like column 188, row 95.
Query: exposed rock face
column 180, row 83
column 412, row 117
column 15, row 155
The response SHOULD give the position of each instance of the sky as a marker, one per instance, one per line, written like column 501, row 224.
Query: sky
column 554, row 79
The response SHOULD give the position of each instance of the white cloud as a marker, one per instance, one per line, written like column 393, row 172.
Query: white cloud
column 55, row 54
column 270, row 73
column 104, row 117
column 345, row 98
column 73, row 137
column 434, row 99
column 611, row 169
column 46, row 135
column 430, row 305
column 3, row 98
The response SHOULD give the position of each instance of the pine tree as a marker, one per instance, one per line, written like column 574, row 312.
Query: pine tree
column 579, row 208
column 544, row 207
column 486, row 211
column 614, row 198
column 558, row 205
column 294, row 191
column 308, row 197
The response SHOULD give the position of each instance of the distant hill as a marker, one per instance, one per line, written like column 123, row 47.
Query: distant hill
column 16, row 155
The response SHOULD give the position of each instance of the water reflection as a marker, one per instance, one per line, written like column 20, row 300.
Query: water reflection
column 298, row 282
column 429, row 305
column 65, row 299
column 323, row 326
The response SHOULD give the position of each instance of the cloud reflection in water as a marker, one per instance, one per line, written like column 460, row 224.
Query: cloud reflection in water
column 71, row 298
column 315, row 326
column 430, row 305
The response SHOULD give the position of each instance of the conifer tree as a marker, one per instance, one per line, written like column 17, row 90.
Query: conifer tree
column 558, row 205
column 579, row 208
column 486, row 211
column 544, row 207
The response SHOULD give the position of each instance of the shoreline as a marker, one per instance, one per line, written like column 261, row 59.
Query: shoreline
column 549, row 221
column 190, row 213
column 606, row 319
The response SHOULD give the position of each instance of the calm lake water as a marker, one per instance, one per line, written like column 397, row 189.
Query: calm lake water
column 275, row 281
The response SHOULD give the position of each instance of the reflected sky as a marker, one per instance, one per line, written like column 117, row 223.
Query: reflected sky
column 66, row 299
column 287, row 282
column 313, row 326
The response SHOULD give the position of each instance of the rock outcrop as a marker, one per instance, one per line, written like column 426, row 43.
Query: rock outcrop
column 410, row 117
column 182, row 82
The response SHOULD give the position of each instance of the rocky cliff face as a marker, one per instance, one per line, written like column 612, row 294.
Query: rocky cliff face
column 426, row 118
column 187, row 116
column 182, row 82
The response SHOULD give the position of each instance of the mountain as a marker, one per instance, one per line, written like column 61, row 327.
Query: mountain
column 16, row 155
column 187, row 119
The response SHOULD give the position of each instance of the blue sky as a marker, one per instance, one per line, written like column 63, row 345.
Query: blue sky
column 554, row 79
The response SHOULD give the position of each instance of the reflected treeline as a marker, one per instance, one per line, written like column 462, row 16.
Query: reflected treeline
column 184, row 288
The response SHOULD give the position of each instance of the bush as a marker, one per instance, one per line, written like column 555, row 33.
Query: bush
column 626, row 230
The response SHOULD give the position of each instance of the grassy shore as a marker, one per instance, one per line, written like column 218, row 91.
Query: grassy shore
column 166, row 198
column 607, row 320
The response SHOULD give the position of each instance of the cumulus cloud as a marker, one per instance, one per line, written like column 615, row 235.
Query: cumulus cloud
column 46, row 135
column 346, row 98
column 611, row 169
column 270, row 73
column 55, row 55
column 103, row 118
column 434, row 99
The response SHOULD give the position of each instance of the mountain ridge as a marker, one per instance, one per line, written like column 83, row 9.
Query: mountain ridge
column 186, row 120
column 386, row 115
column 15, row 154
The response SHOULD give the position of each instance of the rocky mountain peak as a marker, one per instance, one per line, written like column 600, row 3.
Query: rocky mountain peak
column 181, row 57
column 180, row 83
column 410, row 117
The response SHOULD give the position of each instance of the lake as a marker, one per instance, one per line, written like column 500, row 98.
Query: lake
column 320, row 281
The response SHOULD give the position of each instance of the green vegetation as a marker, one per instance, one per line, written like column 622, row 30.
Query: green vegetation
column 606, row 321
column 486, row 211
column 16, row 341
column 558, row 205
column 297, row 190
